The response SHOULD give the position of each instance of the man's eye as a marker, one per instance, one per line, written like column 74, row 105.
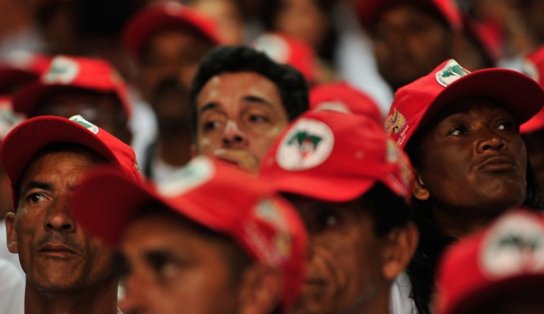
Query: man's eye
column 162, row 266
column 256, row 118
column 35, row 197
column 211, row 125
column 327, row 220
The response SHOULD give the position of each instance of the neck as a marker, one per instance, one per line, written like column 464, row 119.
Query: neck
column 175, row 150
column 458, row 226
column 98, row 299
column 374, row 304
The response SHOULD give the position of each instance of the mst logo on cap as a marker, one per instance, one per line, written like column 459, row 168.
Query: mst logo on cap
column 514, row 245
column 199, row 171
column 62, row 70
column 306, row 145
column 450, row 73
column 88, row 125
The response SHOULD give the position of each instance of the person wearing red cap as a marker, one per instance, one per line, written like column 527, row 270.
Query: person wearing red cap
column 241, row 101
column 351, row 185
column 532, row 131
column 410, row 37
column 67, row 270
column 77, row 85
column 211, row 239
column 461, row 131
column 498, row 270
column 167, row 40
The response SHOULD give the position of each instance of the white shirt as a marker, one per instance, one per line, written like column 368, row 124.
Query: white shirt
column 12, row 289
column 400, row 302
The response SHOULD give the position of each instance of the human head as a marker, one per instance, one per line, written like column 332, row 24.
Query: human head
column 241, row 101
column 532, row 131
column 247, row 218
column 410, row 37
column 44, row 158
column 497, row 270
column 167, row 40
column 78, row 85
column 351, row 186
column 470, row 122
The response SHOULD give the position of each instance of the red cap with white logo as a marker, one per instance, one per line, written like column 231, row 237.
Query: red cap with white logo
column 166, row 15
column 73, row 73
column 507, row 257
column 416, row 103
column 212, row 194
column 336, row 157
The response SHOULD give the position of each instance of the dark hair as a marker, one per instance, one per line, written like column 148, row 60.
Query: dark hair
column 432, row 242
column 291, row 84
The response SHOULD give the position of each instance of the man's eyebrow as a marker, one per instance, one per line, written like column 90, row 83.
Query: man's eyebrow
column 36, row 185
column 207, row 107
column 257, row 100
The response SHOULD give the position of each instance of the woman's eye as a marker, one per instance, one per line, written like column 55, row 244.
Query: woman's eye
column 457, row 131
column 507, row 126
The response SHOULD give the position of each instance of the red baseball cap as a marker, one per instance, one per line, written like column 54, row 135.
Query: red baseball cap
column 21, row 68
column 69, row 73
column 415, row 103
column 534, row 67
column 506, row 257
column 166, row 15
column 369, row 11
column 288, row 50
column 340, row 96
column 337, row 157
column 25, row 140
column 210, row 193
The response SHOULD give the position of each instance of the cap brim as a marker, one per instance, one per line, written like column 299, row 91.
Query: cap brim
column 324, row 188
column 28, row 138
column 515, row 92
column 107, row 200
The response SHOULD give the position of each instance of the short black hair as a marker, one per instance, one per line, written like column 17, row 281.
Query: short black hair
column 291, row 84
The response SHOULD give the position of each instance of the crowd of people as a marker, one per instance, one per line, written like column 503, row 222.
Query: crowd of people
column 271, row 156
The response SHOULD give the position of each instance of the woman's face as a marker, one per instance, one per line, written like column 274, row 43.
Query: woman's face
column 473, row 160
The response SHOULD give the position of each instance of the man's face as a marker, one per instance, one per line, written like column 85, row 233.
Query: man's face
column 166, row 266
column 103, row 110
column 408, row 44
column 239, row 117
column 474, row 160
column 54, row 252
column 344, row 264
column 171, row 54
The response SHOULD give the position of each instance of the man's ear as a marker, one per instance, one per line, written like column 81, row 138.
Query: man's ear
column 261, row 288
column 419, row 190
column 11, row 234
column 399, row 249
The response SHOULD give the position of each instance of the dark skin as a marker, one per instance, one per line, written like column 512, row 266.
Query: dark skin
column 349, row 268
column 409, row 43
column 473, row 166
column 66, row 269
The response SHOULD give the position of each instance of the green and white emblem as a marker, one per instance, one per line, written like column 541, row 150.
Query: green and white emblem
column 197, row 172
column 450, row 73
column 62, row 70
column 83, row 122
column 515, row 244
column 306, row 145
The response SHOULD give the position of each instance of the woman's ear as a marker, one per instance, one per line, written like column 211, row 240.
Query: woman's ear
column 419, row 190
